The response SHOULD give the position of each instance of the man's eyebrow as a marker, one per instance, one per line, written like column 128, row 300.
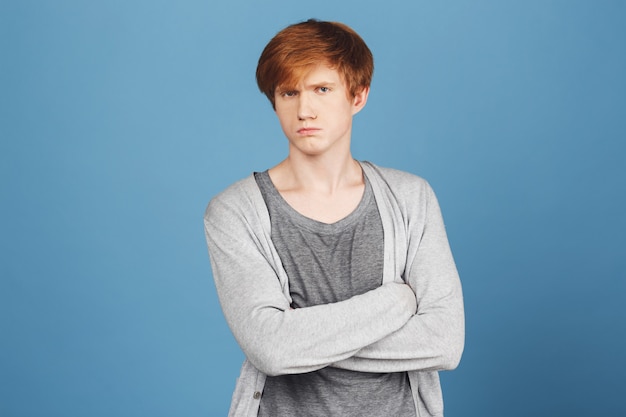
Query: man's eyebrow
column 322, row 83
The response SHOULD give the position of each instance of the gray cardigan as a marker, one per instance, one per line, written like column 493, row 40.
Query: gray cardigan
column 379, row 331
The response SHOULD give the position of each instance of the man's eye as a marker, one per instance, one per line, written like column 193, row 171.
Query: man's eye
column 289, row 94
column 324, row 89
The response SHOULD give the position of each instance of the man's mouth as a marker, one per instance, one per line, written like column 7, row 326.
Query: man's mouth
column 308, row 130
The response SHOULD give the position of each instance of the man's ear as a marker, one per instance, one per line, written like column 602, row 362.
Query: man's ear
column 359, row 100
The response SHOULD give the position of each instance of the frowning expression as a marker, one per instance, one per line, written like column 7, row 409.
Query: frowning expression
column 316, row 113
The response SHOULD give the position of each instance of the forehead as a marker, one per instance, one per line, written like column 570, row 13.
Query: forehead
column 313, row 75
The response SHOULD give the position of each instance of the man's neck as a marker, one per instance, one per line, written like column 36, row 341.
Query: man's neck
column 325, row 174
column 325, row 189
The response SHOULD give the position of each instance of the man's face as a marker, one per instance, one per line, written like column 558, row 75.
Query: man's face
column 316, row 114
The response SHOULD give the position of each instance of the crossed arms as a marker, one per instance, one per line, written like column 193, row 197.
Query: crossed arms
column 414, row 322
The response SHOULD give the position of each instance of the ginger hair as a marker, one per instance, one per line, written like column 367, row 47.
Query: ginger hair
column 300, row 47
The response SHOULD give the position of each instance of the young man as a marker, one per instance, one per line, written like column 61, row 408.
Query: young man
column 334, row 275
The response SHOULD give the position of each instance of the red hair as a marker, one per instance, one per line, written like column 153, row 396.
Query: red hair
column 299, row 47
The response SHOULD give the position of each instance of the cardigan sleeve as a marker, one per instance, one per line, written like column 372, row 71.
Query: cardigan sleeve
column 277, row 339
column 433, row 339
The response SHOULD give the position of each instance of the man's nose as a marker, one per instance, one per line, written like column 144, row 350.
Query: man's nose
column 305, row 108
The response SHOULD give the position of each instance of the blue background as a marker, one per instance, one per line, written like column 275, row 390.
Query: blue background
column 121, row 119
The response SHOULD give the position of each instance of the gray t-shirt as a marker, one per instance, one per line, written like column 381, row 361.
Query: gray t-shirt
column 327, row 263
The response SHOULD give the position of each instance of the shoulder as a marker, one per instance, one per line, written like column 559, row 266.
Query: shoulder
column 237, row 199
column 403, row 184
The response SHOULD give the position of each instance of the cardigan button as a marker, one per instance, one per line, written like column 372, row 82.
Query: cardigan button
column 257, row 395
